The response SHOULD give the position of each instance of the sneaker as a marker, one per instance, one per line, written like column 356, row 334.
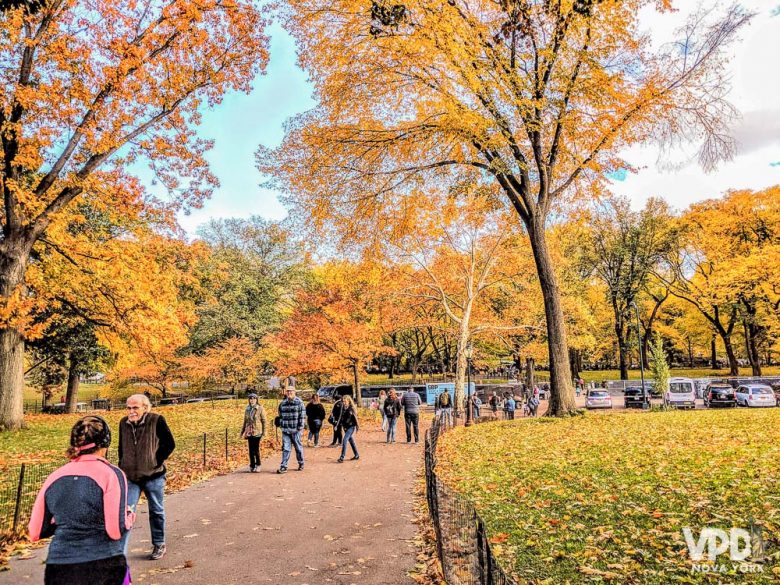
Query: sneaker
column 356, row 457
column 253, row 469
column 281, row 470
column 340, row 460
column 300, row 467
column 158, row 552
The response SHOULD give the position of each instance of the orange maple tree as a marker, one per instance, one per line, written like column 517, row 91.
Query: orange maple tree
column 85, row 90
column 335, row 325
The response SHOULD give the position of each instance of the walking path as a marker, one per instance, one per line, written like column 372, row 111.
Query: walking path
column 348, row 523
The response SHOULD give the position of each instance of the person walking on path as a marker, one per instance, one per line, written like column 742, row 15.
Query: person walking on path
column 411, row 403
column 444, row 407
column 253, row 429
column 476, row 404
column 493, row 402
column 145, row 443
column 333, row 419
column 391, row 411
column 380, row 403
column 509, row 407
column 292, row 415
column 315, row 415
column 89, row 519
column 349, row 422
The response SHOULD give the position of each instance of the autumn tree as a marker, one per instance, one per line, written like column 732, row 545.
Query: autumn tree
column 727, row 267
column 623, row 250
column 538, row 97
column 86, row 89
column 468, row 262
column 335, row 327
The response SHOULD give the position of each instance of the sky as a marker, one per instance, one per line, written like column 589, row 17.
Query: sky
column 243, row 122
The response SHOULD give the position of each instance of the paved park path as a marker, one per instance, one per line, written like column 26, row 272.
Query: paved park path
column 331, row 523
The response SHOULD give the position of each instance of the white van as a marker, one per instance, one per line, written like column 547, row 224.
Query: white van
column 681, row 393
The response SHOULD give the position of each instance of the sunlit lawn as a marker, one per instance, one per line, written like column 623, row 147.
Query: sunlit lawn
column 605, row 498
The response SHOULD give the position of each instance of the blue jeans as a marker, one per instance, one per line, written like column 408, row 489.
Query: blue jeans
column 391, row 422
column 446, row 416
column 348, row 437
column 153, row 490
column 290, row 440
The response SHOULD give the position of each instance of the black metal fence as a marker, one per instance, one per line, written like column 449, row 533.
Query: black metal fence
column 194, row 454
column 461, row 540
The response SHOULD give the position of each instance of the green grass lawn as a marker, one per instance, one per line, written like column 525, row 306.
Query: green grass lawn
column 604, row 498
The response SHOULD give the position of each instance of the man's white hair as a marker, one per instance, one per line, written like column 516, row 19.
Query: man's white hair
column 143, row 398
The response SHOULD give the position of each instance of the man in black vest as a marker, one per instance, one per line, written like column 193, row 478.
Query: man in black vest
column 145, row 442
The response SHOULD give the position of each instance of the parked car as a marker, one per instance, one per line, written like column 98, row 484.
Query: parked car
column 170, row 400
column 332, row 393
column 756, row 395
column 719, row 394
column 681, row 393
column 62, row 408
column 598, row 399
column 636, row 397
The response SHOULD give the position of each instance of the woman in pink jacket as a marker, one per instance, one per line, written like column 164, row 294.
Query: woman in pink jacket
column 83, row 505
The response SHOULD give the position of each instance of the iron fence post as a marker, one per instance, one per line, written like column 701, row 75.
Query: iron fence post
column 18, row 507
column 226, row 444
column 204, row 449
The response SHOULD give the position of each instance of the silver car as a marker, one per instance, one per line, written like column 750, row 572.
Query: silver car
column 755, row 395
column 598, row 399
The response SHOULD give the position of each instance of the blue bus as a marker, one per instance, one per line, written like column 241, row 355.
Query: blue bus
column 433, row 390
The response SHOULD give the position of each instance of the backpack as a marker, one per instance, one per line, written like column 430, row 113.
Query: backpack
column 389, row 408
column 444, row 400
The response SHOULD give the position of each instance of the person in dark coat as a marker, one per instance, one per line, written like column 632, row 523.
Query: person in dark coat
column 315, row 416
column 335, row 414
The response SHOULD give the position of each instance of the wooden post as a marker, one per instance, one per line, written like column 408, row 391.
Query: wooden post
column 18, row 507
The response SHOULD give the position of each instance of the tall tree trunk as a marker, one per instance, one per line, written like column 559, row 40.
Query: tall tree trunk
column 751, row 332
column 561, row 389
column 72, row 392
column 714, row 353
column 620, row 335
column 732, row 357
column 690, row 353
column 12, row 267
column 530, row 374
column 356, row 382
column 574, row 362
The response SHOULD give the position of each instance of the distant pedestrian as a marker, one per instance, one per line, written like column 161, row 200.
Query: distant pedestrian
column 533, row 405
column 315, row 416
column 349, row 422
column 253, row 429
column 380, row 404
column 411, row 403
column 493, row 402
column 444, row 407
column 509, row 407
column 476, row 404
column 292, row 415
column 145, row 443
column 89, row 519
column 333, row 419
column 391, row 412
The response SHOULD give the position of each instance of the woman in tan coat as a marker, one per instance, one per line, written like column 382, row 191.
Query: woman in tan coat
column 253, row 430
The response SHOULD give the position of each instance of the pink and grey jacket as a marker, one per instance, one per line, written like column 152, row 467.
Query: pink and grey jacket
column 84, row 505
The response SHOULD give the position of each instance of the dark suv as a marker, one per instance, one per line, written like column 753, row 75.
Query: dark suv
column 719, row 394
column 636, row 397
